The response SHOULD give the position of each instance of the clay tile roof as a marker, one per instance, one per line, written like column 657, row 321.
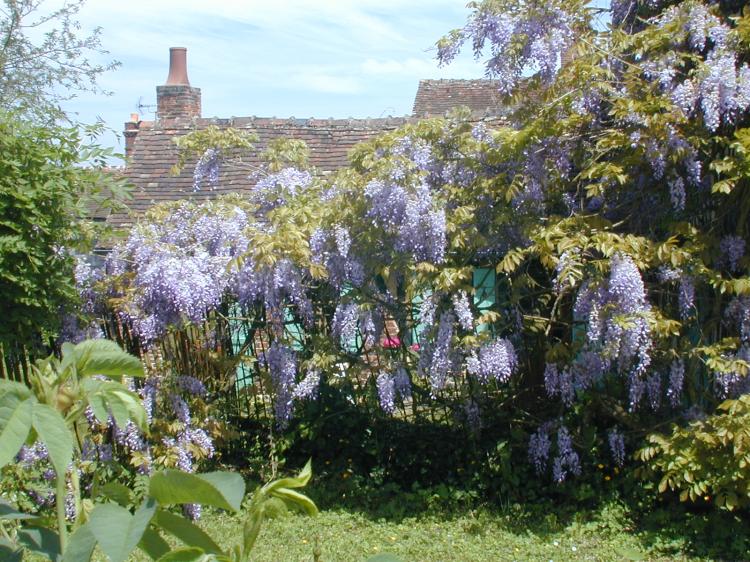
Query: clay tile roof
column 437, row 97
column 154, row 154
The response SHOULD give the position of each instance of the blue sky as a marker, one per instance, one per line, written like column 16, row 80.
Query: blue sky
column 301, row 58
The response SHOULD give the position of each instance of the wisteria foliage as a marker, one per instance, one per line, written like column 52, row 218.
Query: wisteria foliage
column 611, row 205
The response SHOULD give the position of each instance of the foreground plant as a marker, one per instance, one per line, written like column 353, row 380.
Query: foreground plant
column 88, row 379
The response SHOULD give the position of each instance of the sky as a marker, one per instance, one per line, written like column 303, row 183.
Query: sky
column 283, row 58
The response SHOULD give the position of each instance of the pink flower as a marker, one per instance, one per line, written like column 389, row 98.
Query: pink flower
column 391, row 343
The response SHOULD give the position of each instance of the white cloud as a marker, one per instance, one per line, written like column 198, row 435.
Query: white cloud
column 328, row 83
column 313, row 57
column 409, row 67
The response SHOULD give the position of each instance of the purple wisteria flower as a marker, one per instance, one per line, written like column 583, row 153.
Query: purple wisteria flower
column 333, row 250
column 435, row 357
column 308, row 387
column 567, row 461
column 617, row 447
column 207, row 169
column 191, row 385
column 282, row 366
column 411, row 215
column 463, row 310
column 495, row 360
column 653, row 390
column 732, row 249
column 402, row 383
column 559, row 383
column 738, row 311
column 686, row 297
column 386, row 392
column 525, row 37
column 275, row 189
column 539, row 448
column 676, row 382
column 276, row 288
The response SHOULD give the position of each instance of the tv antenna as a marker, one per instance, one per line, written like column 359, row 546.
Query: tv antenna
column 144, row 107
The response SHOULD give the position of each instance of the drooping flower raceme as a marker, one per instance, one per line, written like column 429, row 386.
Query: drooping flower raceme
column 411, row 216
column 282, row 366
column 275, row 189
column 518, row 36
column 495, row 360
column 207, row 169
column 618, row 323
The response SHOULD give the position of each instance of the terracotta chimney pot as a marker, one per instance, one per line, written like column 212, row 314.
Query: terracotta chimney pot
column 177, row 67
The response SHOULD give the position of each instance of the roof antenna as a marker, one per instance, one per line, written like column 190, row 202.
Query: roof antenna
column 391, row 109
column 140, row 106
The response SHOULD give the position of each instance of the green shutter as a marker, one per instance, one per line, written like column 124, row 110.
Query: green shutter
column 293, row 330
column 483, row 281
column 416, row 304
column 239, row 332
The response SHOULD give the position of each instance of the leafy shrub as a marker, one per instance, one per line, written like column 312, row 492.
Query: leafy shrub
column 709, row 460
column 46, row 199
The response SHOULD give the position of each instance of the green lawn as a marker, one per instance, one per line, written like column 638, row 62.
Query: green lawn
column 350, row 537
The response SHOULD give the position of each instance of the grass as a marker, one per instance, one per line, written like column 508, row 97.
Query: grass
column 343, row 536
column 515, row 533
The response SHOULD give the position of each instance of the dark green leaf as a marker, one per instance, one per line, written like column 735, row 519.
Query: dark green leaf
column 15, row 423
column 7, row 511
column 184, row 555
column 42, row 541
column 186, row 531
column 117, row 531
column 117, row 492
column 219, row 489
column 80, row 545
column 105, row 357
column 54, row 433
column 10, row 552
column 153, row 544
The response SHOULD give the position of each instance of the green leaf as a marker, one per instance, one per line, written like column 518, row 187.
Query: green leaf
column 219, row 489
column 7, row 511
column 296, row 499
column 9, row 552
column 153, row 544
column 184, row 555
column 105, row 357
column 80, row 545
column 54, row 433
column 299, row 481
column 42, row 541
column 117, row 492
column 251, row 528
column 108, row 397
column 15, row 423
column 117, row 531
column 99, row 407
column 186, row 531
column 12, row 387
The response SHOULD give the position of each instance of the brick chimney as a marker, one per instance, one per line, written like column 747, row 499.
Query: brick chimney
column 131, row 130
column 177, row 98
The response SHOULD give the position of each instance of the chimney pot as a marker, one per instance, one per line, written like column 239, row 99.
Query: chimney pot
column 177, row 99
column 177, row 67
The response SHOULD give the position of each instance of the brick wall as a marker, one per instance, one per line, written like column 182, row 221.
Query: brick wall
column 177, row 101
